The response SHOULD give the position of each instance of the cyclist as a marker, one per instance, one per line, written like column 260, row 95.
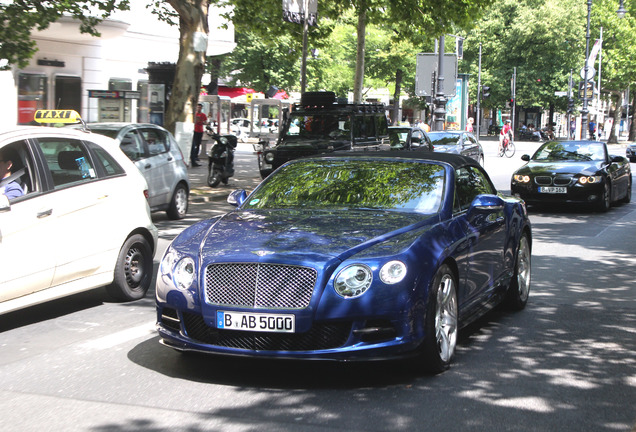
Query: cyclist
column 505, row 130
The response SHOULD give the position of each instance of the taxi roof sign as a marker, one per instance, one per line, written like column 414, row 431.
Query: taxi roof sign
column 57, row 116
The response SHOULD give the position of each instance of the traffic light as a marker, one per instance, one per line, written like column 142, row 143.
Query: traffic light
column 485, row 91
column 570, row 106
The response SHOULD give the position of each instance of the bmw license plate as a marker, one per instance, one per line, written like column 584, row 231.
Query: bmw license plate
column 260, row 322
column 553, row 190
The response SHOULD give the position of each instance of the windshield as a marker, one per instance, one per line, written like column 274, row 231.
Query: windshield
column 570, row 151
column 303, row 128
column 353, row 184
column 443, row 138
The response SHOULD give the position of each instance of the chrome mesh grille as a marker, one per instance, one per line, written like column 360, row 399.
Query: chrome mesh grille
column 257, row 285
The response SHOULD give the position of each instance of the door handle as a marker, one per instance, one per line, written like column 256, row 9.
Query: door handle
column 44, row 213
column 148, row 166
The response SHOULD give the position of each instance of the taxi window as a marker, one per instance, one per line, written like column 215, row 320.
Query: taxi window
column 109, row 165
column 68, row 161
column 157, row 141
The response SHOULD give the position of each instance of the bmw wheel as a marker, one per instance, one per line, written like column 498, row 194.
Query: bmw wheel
column 519, row 288
column 441, row 321
column 628, row 194
column 605, row 202
column 133, row 271
column 179, row 203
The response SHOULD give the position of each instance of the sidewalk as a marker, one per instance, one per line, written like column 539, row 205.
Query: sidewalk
column 243, row 178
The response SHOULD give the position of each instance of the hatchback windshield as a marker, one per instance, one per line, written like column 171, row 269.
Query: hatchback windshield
column 353, row 184
column 572, row 151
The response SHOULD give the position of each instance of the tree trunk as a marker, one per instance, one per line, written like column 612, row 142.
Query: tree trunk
column 632, row 126
column 362, row 26
column 396, row 97
column 193, row 19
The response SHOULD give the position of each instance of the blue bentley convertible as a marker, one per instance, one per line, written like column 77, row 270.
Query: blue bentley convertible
column 351, row 256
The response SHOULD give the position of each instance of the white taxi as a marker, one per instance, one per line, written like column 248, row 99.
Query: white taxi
column 73, row 216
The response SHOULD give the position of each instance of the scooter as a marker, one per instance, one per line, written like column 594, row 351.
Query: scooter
column 221, row 158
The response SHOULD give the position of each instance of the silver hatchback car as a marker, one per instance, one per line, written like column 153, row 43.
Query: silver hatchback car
column 156, row 154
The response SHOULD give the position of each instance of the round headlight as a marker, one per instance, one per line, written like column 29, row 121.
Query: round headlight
column 184, row 273
column 269, row 157
column 353, row 281
column 521, row 178
column 590, row 179
column 393, row 272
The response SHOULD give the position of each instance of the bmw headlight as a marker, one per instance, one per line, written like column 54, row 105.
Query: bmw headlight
column 353, row 281
column 521, row 178
column 393, row 272
column 590, row 179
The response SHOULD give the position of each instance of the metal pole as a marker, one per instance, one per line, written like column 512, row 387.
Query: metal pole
column 440, row 103
column 584, row 110
column 598, row 87
column 303, row 64
column 478, row 114
column 514, row 97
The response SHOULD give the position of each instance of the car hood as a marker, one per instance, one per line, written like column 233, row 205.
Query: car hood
column 562, row 167
column 303, row 236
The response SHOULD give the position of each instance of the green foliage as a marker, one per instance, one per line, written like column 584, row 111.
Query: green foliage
column 20, row 17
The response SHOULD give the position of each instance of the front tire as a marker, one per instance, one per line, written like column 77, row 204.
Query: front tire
column 214, row 178
column 133, row 271
column 179, row 203
column 510, row 149
column 441, row 322
column 519, row 289
column 605, row 202
column 628, row 195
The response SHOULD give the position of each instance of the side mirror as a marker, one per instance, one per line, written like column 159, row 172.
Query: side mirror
column 237, row 197
column 617, row 159
column 487, row 202
column 525, row 158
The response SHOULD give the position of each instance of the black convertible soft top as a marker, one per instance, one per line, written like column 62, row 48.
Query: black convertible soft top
column 455, row 160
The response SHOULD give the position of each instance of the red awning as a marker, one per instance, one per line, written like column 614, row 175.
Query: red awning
column 233, row 92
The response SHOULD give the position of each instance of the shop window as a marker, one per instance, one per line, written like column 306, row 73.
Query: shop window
column 32, row 95
column 68, row 93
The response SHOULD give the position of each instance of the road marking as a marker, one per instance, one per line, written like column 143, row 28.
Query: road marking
column 121, row 337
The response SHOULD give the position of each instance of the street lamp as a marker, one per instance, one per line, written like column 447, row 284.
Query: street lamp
column 621, row 10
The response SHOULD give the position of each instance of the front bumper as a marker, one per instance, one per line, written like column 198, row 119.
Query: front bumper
column 579, row 194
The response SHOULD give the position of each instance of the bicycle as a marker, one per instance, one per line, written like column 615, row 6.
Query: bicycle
column 507, row 147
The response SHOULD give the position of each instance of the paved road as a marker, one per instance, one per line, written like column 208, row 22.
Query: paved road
column 565, row 363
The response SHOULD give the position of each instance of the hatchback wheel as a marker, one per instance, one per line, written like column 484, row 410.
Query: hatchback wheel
column 179, row 203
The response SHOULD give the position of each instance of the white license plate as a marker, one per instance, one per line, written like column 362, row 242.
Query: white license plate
column 260, row 322
column 553, row 190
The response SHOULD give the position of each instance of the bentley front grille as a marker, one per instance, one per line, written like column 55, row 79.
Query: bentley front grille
column 276, row 286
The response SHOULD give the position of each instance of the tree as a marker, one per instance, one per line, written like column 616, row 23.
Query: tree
column 20, row 17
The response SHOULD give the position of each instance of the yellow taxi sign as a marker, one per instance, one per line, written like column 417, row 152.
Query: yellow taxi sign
column 57, row 116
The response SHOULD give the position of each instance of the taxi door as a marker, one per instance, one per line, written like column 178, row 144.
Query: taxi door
column 82, row 242
column 27, row 258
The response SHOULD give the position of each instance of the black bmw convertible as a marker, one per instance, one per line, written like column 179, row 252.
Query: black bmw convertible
column 574, row 172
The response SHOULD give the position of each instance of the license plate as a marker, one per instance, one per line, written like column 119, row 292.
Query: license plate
column 553, row 190
column 260, row 322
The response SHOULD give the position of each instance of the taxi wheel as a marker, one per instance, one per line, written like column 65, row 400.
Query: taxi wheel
column 133, row 271
column 179, row 204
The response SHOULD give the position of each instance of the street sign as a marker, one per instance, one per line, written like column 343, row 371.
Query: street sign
column 590, row 73
column 560, row 93
column 426, row 65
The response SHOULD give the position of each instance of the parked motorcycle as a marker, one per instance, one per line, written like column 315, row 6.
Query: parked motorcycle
column 221, row 158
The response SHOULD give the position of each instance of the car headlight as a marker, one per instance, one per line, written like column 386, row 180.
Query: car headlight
column 590, row 179
column 353, row 281
column 180, row 269
column 269, row 157
column 521, row 178
column 393, row 272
